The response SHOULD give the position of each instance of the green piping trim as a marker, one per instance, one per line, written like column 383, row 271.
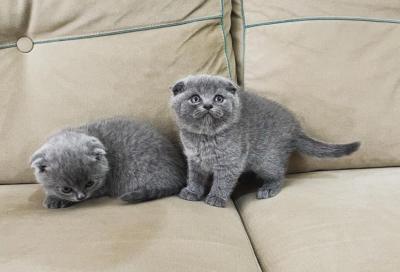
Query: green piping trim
column 7, row 45
column 117, row 32
column 224, row 35
column 325, row 18
column 243, row 41
column 129, row 30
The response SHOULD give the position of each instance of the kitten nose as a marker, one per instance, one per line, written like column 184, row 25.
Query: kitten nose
column 81, row 196
column 208, row 106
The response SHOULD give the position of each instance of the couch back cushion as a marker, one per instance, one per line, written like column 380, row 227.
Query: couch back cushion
column 96, row 60
column 335, row 64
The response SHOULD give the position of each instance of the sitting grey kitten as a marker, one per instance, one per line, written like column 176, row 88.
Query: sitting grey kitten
column 113, row 157
column 226, row 131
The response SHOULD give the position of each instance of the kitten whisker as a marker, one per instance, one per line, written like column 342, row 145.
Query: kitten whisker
column 218, row 113
column 199, row 113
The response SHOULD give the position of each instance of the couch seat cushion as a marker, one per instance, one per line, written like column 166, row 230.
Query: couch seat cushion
column 328, row 221
column 106, row 235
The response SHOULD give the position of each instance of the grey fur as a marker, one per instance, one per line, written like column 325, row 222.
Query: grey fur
column 242, row 133
column 122, row 158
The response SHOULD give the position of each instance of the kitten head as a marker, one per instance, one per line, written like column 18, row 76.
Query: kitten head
column 71, row 165
column 205, row 104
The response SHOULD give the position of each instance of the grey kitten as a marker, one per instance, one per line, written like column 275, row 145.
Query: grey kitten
column 113, row 157
column 226, row 131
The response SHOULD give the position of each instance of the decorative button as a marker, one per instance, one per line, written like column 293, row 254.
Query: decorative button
column 25, row 44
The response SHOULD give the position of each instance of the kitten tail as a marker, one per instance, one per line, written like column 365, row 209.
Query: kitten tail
column 309, row 146
column 145, row 194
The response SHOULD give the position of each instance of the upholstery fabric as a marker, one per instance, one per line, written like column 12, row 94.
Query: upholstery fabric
column 345, row 220
column 106, row 235
column 334, row 65
column 119, row 58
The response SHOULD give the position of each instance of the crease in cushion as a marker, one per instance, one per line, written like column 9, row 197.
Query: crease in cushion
column 106, row 235
column 340, row 80
column 345, row 220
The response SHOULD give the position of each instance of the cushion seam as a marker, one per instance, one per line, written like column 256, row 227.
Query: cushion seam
column 117, row 31
column 243, row 43
column 256, row 258
column 8, row 45
column 224, row 37
column 325, row 18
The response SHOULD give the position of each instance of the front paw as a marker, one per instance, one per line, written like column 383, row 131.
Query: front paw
column 265, row 192
column 215, row 201
column 189, row 195
column 56, row 203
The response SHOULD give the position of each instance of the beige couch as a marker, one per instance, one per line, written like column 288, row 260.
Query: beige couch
column 334, row 63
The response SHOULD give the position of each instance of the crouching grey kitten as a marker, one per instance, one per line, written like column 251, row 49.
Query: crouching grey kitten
column 113, row 157
column 226, row 132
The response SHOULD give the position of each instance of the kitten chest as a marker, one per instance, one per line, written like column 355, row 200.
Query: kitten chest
column 204, row 151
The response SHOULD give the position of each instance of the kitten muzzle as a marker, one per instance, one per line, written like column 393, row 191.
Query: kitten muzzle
column 80, row 196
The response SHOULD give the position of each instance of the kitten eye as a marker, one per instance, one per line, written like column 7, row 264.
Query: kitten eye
column 195, row 99
column 219, row 98
column 89, row 184
column 42, row 168
column 66, row 190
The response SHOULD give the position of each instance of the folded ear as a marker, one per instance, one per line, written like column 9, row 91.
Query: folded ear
column 232, row 88
column 39, row 162
column 178, row 88
column 98, row 153
column 96, row 149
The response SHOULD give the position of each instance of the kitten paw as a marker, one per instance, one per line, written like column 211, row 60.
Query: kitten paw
column 265, row 192
column 189, row 195
column 56, row 203
column 215, row 201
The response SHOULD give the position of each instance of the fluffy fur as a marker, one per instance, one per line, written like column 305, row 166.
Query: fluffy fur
column 114, row 157
column 226, row 131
